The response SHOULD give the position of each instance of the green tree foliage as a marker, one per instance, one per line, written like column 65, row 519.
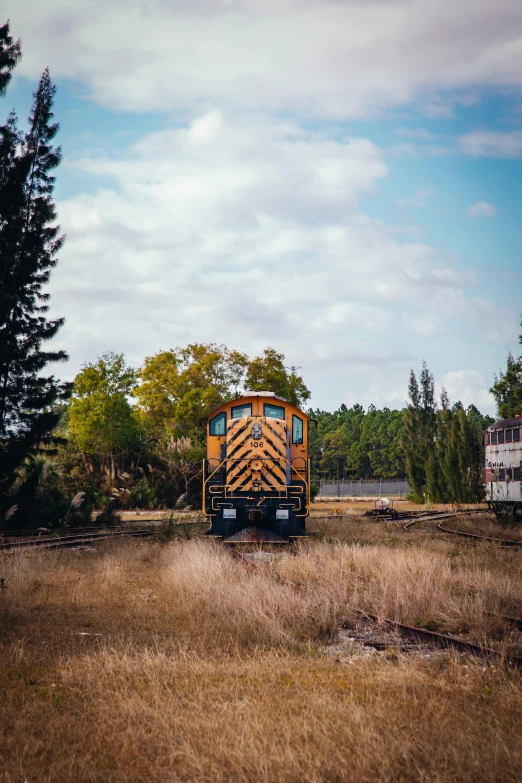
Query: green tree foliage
column 442, row 445
column 29, row 243
column 10, row 54
column 267, row 372
column 352, row 443
column 419, row 430
column 449, row 463
column 101, row 421
column 507, row 389
column 147, row 453
column 180, row 387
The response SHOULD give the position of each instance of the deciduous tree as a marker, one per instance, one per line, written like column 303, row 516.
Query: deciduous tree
column 101, row 421
column 267, row 372
column 180, row 387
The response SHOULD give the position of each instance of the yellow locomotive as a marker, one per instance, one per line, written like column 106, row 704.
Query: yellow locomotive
column 256, row 474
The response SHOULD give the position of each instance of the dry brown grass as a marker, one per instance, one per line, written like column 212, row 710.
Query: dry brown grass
column 205, row 669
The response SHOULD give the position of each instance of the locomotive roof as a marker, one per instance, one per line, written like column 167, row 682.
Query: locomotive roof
column 249, row 393
column 503, row 423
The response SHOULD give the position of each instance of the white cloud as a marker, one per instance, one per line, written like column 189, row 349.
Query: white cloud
column 236, row 225
column 493, row 144
column 482, row 209
column 471, row 388
column 325, row 57
column 248, row 232
column 384, row 390
column 390, row 389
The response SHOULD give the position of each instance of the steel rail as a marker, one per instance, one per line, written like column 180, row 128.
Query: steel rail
column 437, row 515
column 94, row 528
column 69, row 541
column 500, row 541
column 444, row 640
column 432, row 637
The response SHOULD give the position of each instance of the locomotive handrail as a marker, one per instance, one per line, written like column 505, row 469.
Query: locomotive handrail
column 302, row 473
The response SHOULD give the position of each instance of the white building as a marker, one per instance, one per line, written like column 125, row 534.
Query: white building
column 503, row 464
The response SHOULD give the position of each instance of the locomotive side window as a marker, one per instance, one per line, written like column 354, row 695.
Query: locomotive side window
column 297, row 429
column 218, row 424
column 502, row 475
column 509, row 474
column 493, row 438
column 509, row 436
column 501, row 436
column 273, row 411
column 240, row 411
column 516, row 434
column 486, row 439
column 516, row 474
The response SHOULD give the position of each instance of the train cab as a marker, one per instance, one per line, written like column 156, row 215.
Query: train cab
column 256, row 472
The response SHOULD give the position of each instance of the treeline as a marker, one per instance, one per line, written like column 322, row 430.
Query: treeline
column 436, row 447
column 444, row 455
column 354, row 443
column 135, row 437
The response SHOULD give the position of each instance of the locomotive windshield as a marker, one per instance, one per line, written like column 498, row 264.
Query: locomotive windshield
column 240, row 411
column 218, row 424
column 273, row 411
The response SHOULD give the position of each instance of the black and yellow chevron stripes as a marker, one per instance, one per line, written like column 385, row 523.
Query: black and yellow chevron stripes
column 257, row 463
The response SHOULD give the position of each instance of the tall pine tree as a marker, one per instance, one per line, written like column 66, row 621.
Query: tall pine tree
column 507, row 389
column 29, row 243
column 419, row 431
column 10, row 53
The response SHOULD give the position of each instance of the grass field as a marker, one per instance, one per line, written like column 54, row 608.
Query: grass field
column 148, row 661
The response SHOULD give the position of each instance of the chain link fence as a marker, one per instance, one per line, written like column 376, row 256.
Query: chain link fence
column 357, row 488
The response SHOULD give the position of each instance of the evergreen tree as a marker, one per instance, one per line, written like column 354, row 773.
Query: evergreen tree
column 10, row 53
column 507, row 389
column 455, row 465
column 419, row 431
column 29, row 243
column 435, row 464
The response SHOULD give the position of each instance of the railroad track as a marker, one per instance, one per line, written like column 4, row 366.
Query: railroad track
column 95, row 528
column 447, row 641
column 424, row 635
column 75, row 540
column 440, row 516
column 500, row 541
column 432, row 516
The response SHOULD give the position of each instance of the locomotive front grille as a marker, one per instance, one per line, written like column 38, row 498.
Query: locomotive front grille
column 257, row 455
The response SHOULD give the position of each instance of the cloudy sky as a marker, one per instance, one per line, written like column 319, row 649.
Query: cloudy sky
column 340, row 179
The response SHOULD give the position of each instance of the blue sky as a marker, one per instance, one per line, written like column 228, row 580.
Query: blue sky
column 341, row 181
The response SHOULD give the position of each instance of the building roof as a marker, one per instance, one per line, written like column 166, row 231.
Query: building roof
column 505, row 424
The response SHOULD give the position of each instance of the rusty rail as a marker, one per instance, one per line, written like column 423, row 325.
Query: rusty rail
column 432, row 637
column 437, row 515
column 444, row 640
column 70, row 541
column 500, row 541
